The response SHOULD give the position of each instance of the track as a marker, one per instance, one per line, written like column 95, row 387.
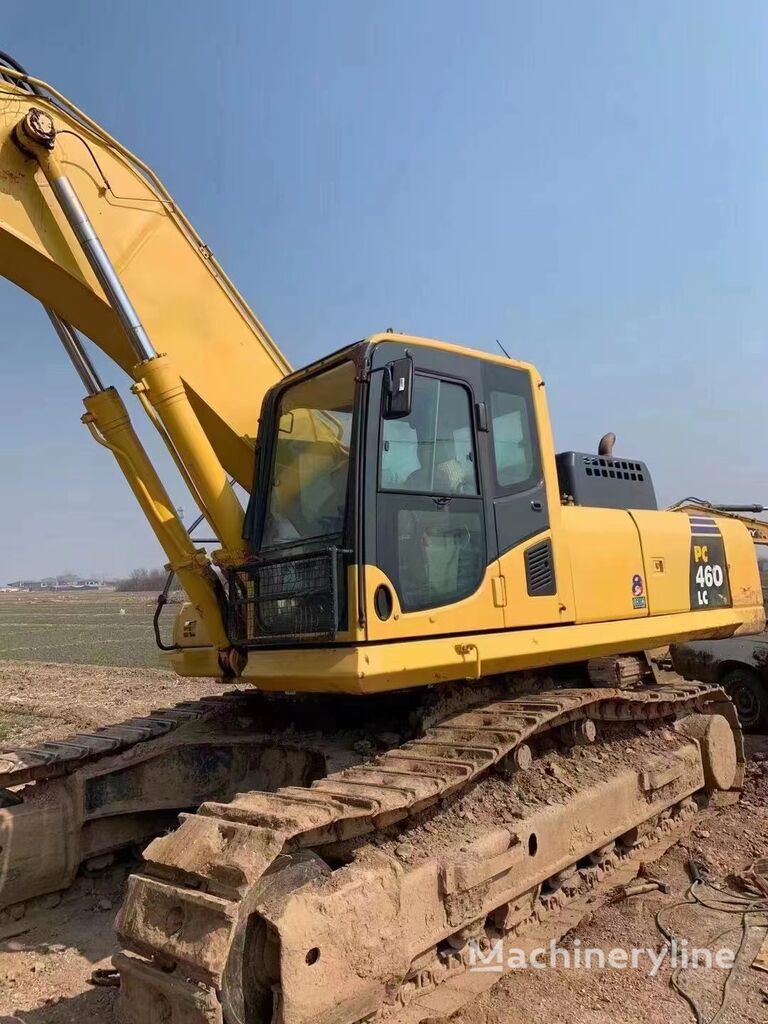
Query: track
column 53, row 759
column 94, row 793
column 354, row 899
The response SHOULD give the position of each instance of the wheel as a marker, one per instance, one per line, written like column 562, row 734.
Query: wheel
column 750, row 695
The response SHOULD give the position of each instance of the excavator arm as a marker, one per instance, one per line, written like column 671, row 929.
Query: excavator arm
column 89, row 230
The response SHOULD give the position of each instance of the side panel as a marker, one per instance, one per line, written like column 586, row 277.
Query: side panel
column 743, row 571
column 477, row 613
column 606, row 564
column 524, row 608
column 528, row 603
column 666, row 543
column 371, row 668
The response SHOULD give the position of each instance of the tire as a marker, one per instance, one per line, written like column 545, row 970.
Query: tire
column 750, row 695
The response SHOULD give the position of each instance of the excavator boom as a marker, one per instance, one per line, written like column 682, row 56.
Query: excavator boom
column 188, row 306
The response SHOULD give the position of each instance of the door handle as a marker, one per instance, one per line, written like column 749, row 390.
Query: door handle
column 536, row 506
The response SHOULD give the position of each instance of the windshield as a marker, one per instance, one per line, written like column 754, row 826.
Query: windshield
column 308, row 487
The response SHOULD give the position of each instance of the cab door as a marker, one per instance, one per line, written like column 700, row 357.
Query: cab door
column 431, row 564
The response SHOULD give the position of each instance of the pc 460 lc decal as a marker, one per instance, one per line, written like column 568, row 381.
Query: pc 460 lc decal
column 709, row 571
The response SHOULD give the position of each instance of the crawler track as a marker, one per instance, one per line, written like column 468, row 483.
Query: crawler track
column 118, row 786
column 54, row 758
column 302, row 906
column 94, row 793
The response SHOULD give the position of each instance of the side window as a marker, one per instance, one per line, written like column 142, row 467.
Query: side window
column 431, row 451
column 515, row 451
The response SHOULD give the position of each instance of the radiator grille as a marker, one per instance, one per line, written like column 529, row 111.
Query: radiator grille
column 539, row 570
column 286, row 599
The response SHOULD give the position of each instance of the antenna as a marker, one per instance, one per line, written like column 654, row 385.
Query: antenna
column 503, row 349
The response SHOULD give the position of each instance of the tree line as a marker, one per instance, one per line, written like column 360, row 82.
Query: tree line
column 142, row 579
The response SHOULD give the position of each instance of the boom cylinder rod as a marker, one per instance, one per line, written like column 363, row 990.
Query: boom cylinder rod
column 86, row 371
column 36, row 135
column 741, row 508
column 102, row 267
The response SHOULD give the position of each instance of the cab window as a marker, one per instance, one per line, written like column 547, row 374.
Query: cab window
column 431, row 451
column 515, row 454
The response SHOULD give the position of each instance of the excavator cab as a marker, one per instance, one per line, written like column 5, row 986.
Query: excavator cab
column 400, row 468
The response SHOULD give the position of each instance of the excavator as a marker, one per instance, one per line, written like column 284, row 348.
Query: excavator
column 436, row 728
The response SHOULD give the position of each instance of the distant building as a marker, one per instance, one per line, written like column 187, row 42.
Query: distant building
column 57, row 583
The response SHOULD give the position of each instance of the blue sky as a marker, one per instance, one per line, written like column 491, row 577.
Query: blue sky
column 586, row 181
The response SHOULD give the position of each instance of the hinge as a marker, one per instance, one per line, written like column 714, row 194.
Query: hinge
column 499, row 591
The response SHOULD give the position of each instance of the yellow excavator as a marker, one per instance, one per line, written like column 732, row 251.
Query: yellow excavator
column 441, row 730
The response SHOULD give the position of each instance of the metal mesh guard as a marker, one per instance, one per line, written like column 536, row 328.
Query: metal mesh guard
column 285, row 599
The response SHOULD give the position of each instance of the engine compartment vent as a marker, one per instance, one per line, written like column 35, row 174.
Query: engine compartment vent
column 603, row 481
column 540, row 570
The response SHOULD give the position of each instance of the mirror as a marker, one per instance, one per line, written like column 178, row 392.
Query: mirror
column 285, row 426
column 399, row 388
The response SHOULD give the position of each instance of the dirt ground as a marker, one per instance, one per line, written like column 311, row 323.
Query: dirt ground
column 47, row 957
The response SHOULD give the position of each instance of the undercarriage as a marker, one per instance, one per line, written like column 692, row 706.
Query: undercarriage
column 361, row 872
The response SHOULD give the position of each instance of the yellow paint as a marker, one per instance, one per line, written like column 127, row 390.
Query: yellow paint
column 605, row 555
column 187, row 304
column 523, row 610
column 666, row 539
column 378, row 667
column 477, row 612
column 563, row 604
column 108, row 421
column 743, row 572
